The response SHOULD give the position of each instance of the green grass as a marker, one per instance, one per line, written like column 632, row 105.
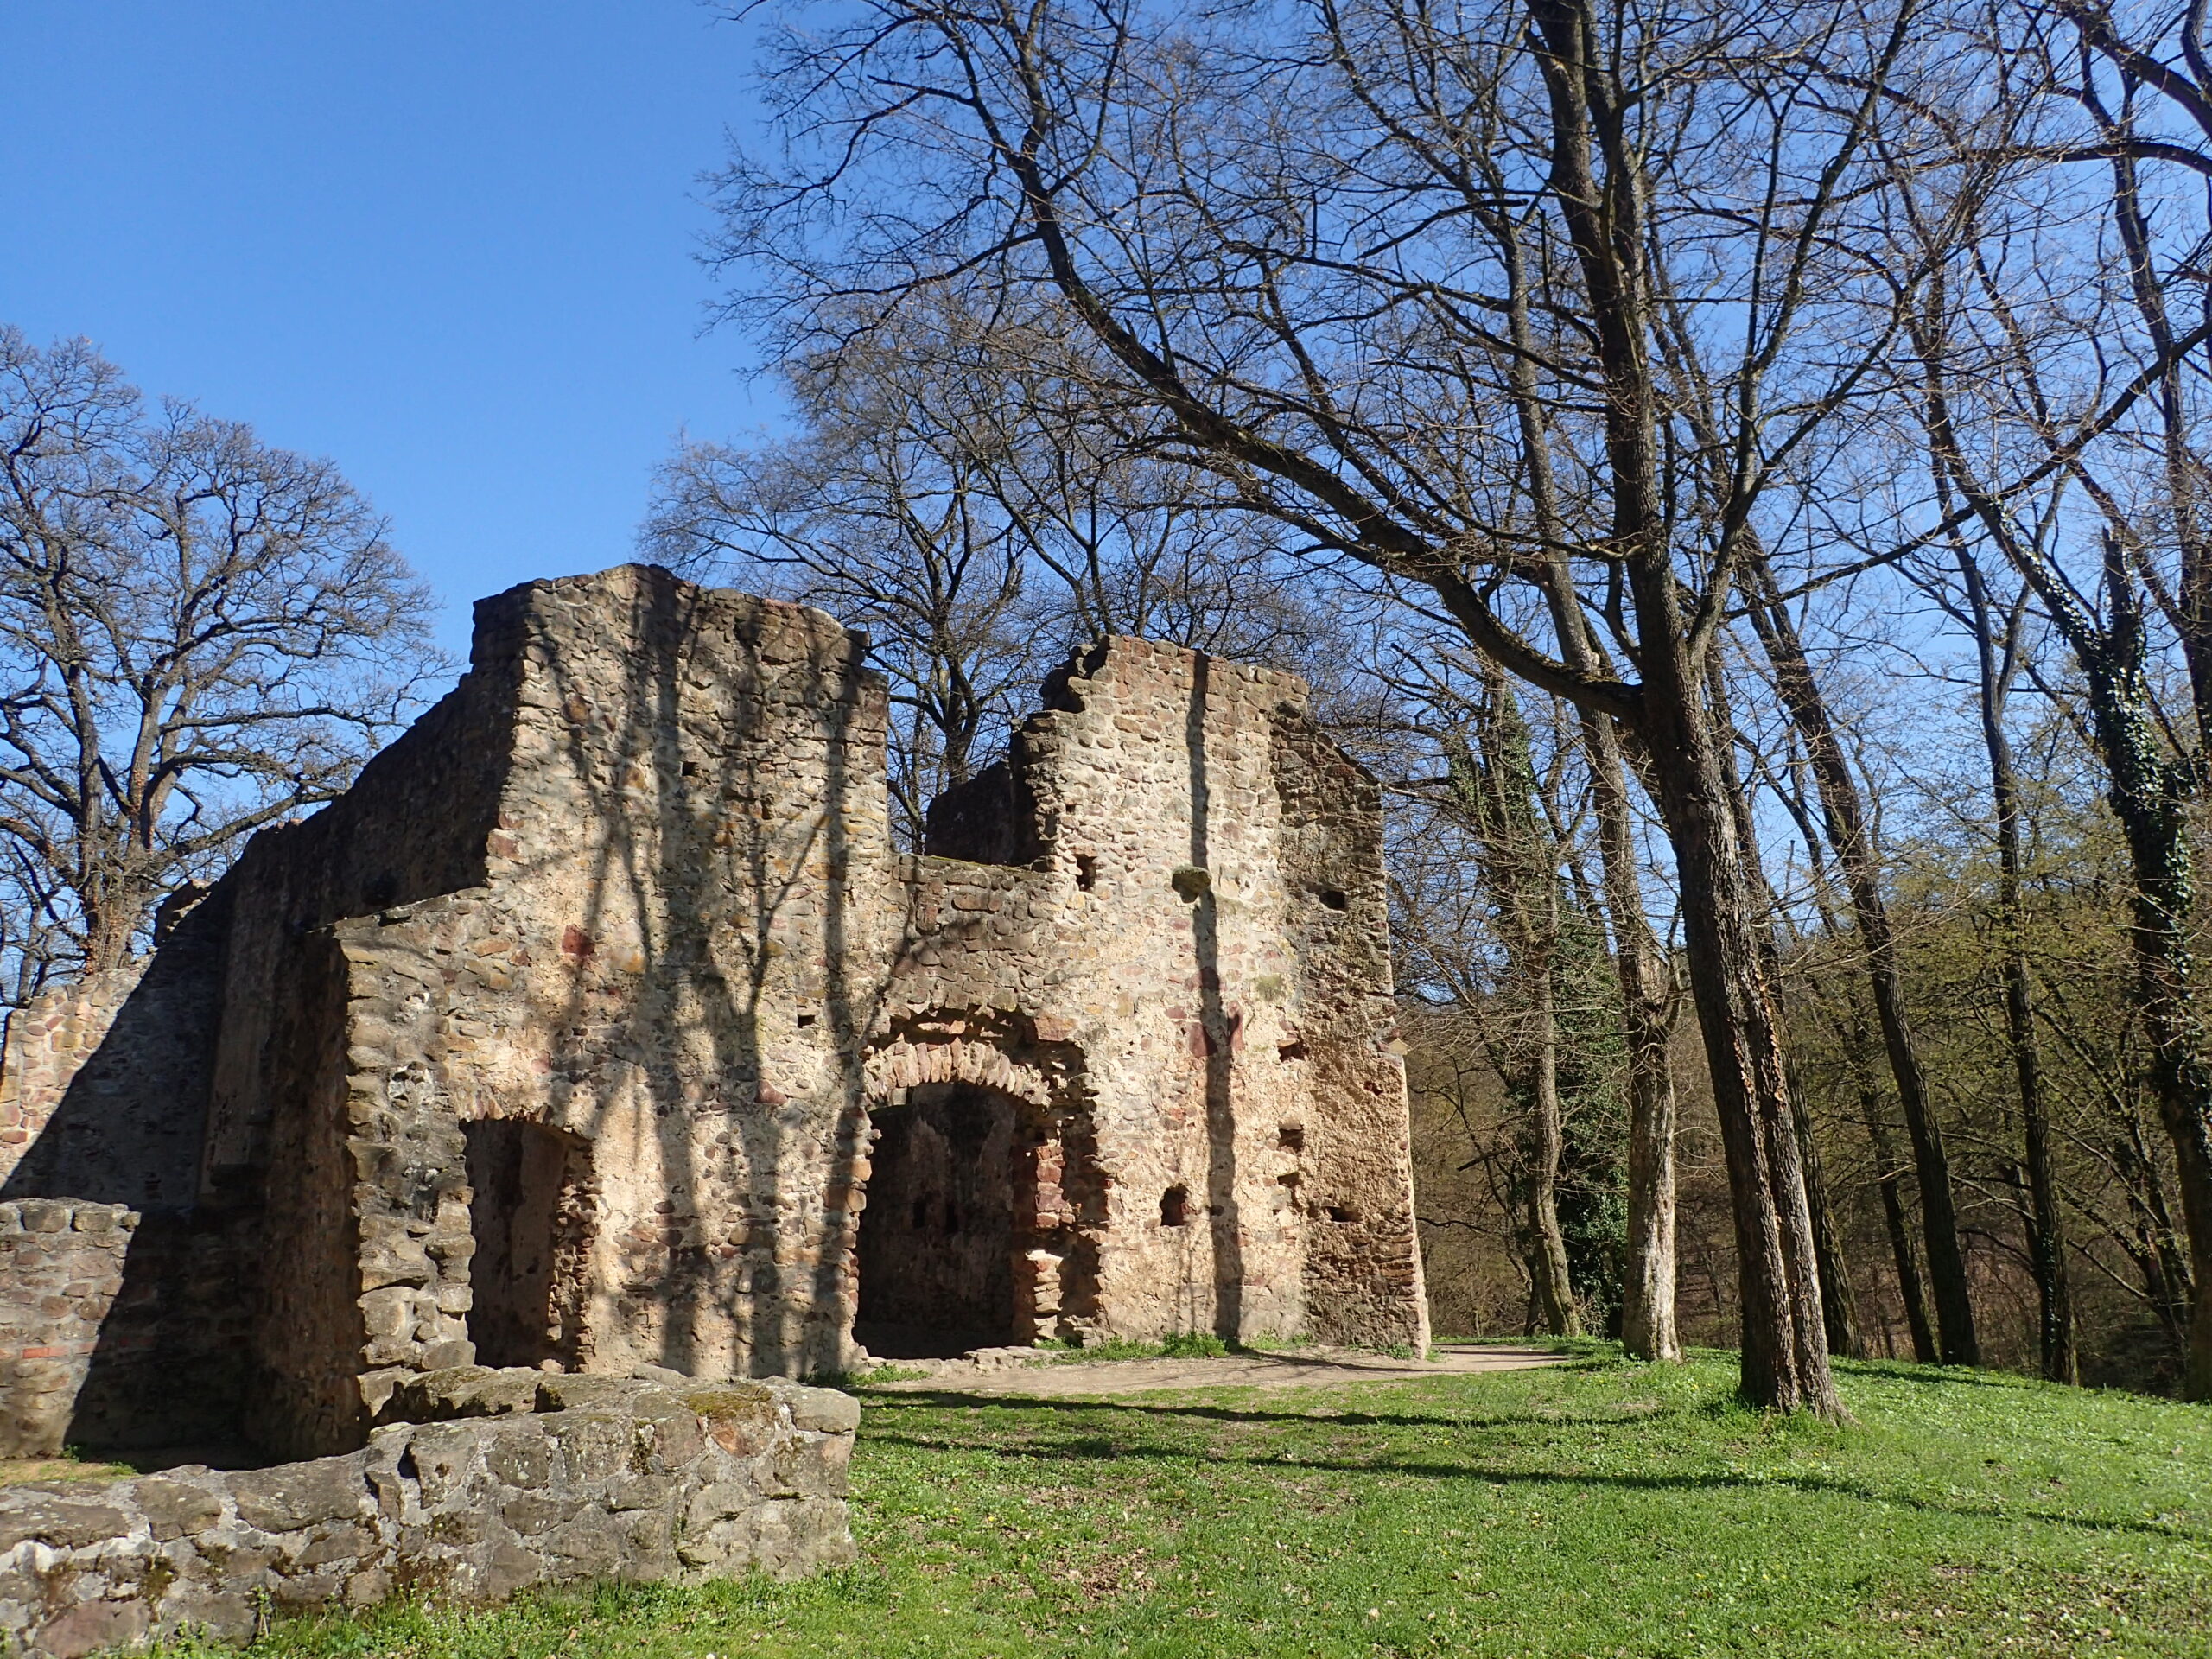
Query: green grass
column 1185, row 1344
column 1604, row 1507
column 14, row 1471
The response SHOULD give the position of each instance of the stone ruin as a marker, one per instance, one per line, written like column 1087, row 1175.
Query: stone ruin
column 483, row 1483
column 602, row 1025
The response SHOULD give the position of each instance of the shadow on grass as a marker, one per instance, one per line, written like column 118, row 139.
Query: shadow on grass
column 1107, row 1447
column 954, row 1399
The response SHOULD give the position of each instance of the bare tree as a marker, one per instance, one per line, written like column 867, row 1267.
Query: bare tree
column 1501, row 942
column 1279, row 233
column 2059, row 400
column 1848, row 829
column 971, row 545
column 199, row 635
column 884, row 511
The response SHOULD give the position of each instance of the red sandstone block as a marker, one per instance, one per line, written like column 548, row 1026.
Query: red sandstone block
column 44, row 1353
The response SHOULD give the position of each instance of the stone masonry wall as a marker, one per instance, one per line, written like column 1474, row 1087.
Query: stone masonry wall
column 1201, row 925
column 561, row 1039
column 121, row 1079
column 60, row 1266
column 1354, row 1169
column 521, row 1479
column 48, row 1039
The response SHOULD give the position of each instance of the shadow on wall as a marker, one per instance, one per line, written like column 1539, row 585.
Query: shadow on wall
column 127, row 1129
column 168, row 1366
column 733, row 865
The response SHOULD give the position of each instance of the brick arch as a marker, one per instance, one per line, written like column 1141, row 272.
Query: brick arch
column 907, row 1062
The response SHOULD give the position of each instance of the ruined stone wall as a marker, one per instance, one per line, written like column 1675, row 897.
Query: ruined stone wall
column 560, row 1039
column 526, row 1480
column 121, row 1079
column 1167, row 933
column 48, row 1039
column 420, row 821
column 665, row 972
column 60, row 1266
column 690, row 905
column 1354, row 1172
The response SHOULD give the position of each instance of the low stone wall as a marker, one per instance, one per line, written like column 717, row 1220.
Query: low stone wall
column 60, row 1266
column 523, row 1479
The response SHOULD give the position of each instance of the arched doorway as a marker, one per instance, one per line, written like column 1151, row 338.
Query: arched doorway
column 939, row 1234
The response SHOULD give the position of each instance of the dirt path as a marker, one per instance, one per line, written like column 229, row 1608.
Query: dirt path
column 997, row 1371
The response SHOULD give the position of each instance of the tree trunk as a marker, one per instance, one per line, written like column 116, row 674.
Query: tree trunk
column 1785, row 1353
column 1889, row 1167
column 1838, row 1305
column 1648, row 1327
column 1849, row 833
column 2150, row 795
column 2179, row 1076
column 2149, row 791
column 1851, row 1031
column 1785, row 1358
column 1839, row 1308
column 1647, row 1330
column 1554, row 1287
column 2046, row 1224
column 1494, row 782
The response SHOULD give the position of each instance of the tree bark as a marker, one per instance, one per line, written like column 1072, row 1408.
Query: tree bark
column 1648, row 1276
column 1839, row 1304
column 1839, row 1308
column 1785, row 1358
column 1648, row 1328
column 1785, row 1353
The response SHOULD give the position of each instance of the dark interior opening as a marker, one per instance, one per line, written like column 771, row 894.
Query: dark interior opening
column 1335, row 898
column 1086, row 871
column 936, row 1238
column 1174, row 1206
column 527, row 1213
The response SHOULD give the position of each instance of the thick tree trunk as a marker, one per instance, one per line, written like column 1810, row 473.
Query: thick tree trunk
column 2179, row 1074
column 2150, row 795
column 1839, row 1308
column 1648, row 1328
column 1850, row 835
column 1785, row 1353
column 1785, row 1358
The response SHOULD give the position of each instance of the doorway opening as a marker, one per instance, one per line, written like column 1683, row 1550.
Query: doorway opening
column 530, row 1211
column 937, row 1235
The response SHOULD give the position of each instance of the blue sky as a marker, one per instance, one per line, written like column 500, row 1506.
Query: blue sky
column 449, row 245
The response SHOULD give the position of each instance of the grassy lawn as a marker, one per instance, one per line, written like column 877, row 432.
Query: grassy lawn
column 1602, row 1509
